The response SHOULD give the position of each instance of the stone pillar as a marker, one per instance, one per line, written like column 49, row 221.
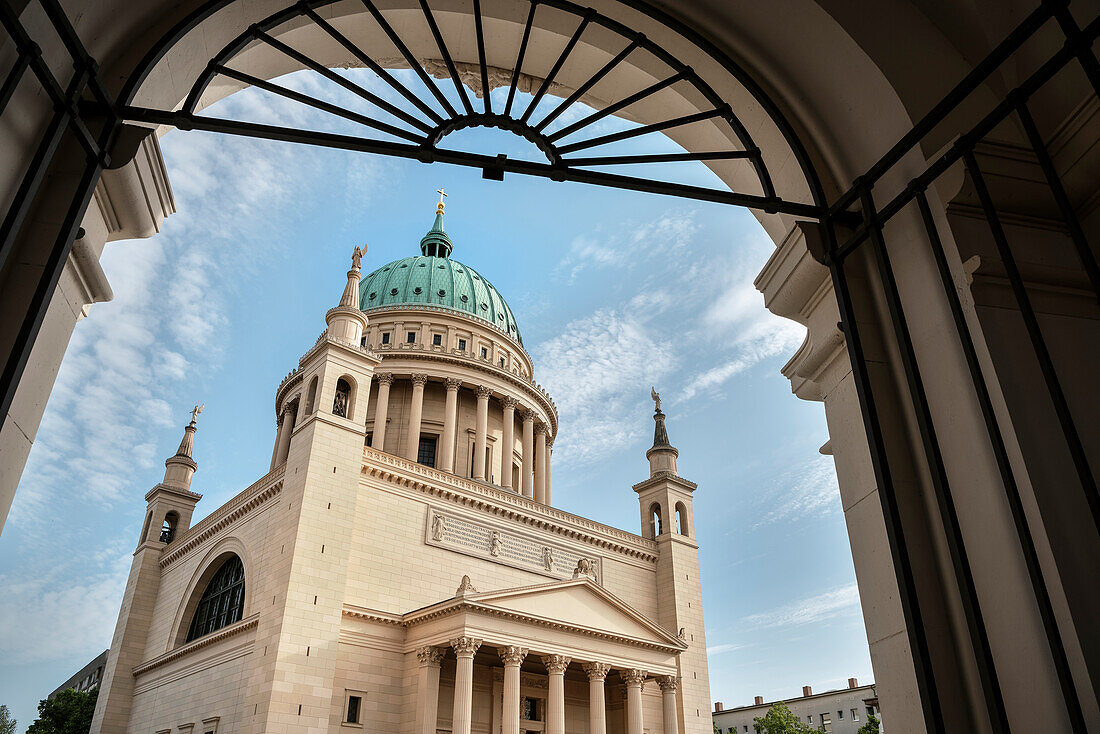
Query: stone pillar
column 282, row 441
column 372, row 341
column 465, row 648
column 425, row 335
column 549, row 454
column 555, row 698
column 450, row 338
column 427, row 689
column 668, row 685
column 597, row 708
column 480, row 437
column 528, row 453
column 634, row 679
column 416, row 410
column 450, row 418
column 381, row 411
column 540, row 462
column 508, row 441
column 513, row 658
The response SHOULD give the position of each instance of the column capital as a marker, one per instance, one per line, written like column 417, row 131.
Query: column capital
column 419, row 379
column 509, row 402
column 512, row 655
column 634, row 677
column 540, row 428
column 527, row 414
column 384, row 378
column 453, row 383
column 556, row 663
column 430, row 656
column 465, row 646
column 483, row 392
column 668, row 682
column 596, row 671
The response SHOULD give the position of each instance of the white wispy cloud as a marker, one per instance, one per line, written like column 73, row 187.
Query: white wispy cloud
column 828, row 605
column 630, row 243
column 713, row 650
column 808, row 490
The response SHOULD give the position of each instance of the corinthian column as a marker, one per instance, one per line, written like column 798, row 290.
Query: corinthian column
column 482, row 427
column 427, row 689
column 282, row 445
column 540, row 462
column 465, row 648
column 546, row 464
column 513, row 658
column 597, row 708
column 450, row 419
column 555, row 698
column 508, row 441
column 381, row 410
column 528, row 453
column 668, row 685
column 416, row 410
column 634, row 679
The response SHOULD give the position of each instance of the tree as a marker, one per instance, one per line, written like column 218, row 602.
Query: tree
column 7, row 723
column 69, row 712
column 780, row 720
column 871, row 727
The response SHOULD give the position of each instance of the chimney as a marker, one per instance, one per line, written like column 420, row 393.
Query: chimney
column 853, row 683
column 717, row 705
column 759, row 700
column 807, row 691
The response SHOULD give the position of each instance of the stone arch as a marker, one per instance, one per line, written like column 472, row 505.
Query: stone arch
column 169, row 526
column 345, row 391
column 145, row 527
column 204, row 572
column 310, row 403
column 683, row 520
column 656, row 520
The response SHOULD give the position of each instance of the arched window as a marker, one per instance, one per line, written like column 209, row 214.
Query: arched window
column 168, row 529
column 656, row 523
column 341, row 403
column 311, row 396
column 681, row 519
column 222, row 602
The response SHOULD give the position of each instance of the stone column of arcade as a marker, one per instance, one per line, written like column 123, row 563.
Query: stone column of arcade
column 597, row 708
column 528, row 449
column 282, row 441
column 512, row 658
column 540, row 462
column 634, row 679
column 427, row 688
column 450, row 418
column 546, row 464
column 508, row 440
column 465, row 648
column 555, row 697
column 668, row 685
column 416, row 411
column 381, row 412
column 480, row 438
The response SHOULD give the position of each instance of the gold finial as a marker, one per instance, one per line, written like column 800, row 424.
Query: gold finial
column 442, row 193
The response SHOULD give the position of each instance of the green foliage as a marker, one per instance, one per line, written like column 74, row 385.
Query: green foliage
column 780, row 720
column 70, row 712
column 871, row 727
column 7, row 723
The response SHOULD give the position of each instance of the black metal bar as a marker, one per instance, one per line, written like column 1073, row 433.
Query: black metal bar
column 1082, row 45
column 371, row 64
column 546, row 82
column 408, row 56
column 583, row 89
column 941, row 486
column 480, row 33
column 1042, row 354
column 1008, row 478
column 519, row 58
column 319, row 104
column 1073, row 225
column 442, row 46
column 639, row 131
column 891, row 512
column 11, row 81
column 615, row 107
column 614, row 160
column 345, row 83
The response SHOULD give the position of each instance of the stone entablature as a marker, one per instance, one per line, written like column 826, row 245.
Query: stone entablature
column 230, row 631
column 504, row 503
column 474, row 323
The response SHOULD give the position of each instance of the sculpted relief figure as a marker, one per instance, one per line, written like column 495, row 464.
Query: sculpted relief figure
column 439, row 527
column 548, row 558
column 494, row 543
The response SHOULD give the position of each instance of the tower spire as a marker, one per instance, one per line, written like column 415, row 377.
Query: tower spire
column 179, row 469
column 662, row 455
column 436, row 243
column 346, row 321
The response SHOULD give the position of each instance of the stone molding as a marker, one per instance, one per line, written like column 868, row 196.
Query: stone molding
column 419, row 378
column 384, row 378
column 509, row 402
column 596, row 671
column 430, row 656
column 634, row 677
column 465, row 646
column 484, row 392
column 463, row 315
column 556, row 663
column 224, row 633
column 668, row 682
column 294, row 377
column 452, row 383
column 178, row 491
column 666, row 476
column 512, row 655
column 540, row 428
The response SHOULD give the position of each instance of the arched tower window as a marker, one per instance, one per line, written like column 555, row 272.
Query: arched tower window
column 168, row 528
column 222, row 602
column 341, row 403
column 656, row 523
column 682, row 519
column 311, row 396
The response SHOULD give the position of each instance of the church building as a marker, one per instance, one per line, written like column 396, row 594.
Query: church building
column 401, row 567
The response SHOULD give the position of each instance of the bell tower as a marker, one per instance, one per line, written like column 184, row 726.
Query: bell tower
column 665, row 500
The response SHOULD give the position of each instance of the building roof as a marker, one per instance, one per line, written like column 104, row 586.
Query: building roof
column 434, row 279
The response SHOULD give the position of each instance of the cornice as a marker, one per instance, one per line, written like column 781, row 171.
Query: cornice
column 292, row 379
column 666, row 476
column 225, row 632
column 461, row 315
column 178, row 491
column 506, row 504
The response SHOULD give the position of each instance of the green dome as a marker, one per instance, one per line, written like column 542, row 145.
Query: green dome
column 437, row 280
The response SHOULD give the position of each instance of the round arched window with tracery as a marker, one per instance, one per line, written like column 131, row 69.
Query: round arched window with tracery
column 222, row 602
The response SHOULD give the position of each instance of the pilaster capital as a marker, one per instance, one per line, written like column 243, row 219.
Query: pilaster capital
column 540, row 428
column 556, row 663
column 452, row 384
column 509, row 402
column 384, row 378
column 634, row 677
column 465, row 647
column 668, row 683
column 596, row 671
column 430, row 656
column 512, row 655
column 419, row 380
column 483, row 392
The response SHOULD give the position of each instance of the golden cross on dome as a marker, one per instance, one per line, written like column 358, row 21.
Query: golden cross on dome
column 442, row 193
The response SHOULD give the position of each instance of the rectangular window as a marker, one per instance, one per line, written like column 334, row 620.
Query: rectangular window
column 354, row 710
column 502, row 361
column 426, row 453
column 531, row 709
column 462, row 345
column 484, row 353
column 410, row 338
column 369, row 440
column 855, row 714
column 385, row 337
column 827, row 722
column 810, row 719
column 870, row 711
column 437, row 340
column 839, row 715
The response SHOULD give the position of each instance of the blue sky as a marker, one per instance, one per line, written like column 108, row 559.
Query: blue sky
column 614, row 291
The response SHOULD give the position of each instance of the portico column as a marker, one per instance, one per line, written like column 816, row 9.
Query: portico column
column 282, row 446
column 546, row 464
column 668, row 685
column 508, row 441
column 427, row 689
column 465, row 648
column 597, row 709
column 480, row 438
column 540, row 462
column 450, row 418
column 381, row 411
column 634, row 679
column 416, row 410
column 555, row 698
column 513, row 658
column 528, row 453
